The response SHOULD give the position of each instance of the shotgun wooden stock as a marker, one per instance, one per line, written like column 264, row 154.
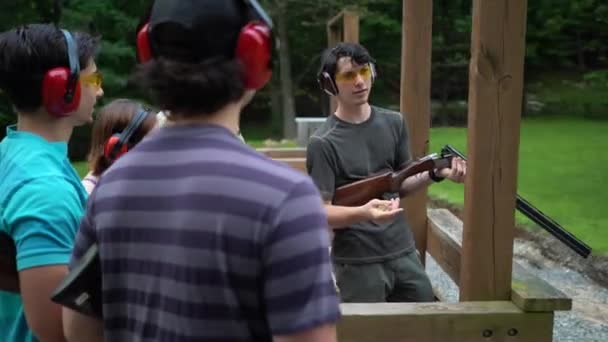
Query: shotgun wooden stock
column 362, row 191
column 9, row 277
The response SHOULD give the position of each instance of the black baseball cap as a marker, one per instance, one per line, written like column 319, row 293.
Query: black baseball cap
column 197, row 30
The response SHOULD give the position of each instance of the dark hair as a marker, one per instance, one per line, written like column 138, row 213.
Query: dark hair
column 28, row 52
column 357, row 52
column 192, row 89
column 194, row 70
column 112, row 119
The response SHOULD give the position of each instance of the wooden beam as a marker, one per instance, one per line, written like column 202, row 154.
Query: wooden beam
column 351, row 26
column 296, row 163
column 416, row 100
column 343, row 27
column 495, row 95
column 528, row 292
column 444, row 247
column 532, row 294
column 441, row 322
column 336, row 20
column 283, row 152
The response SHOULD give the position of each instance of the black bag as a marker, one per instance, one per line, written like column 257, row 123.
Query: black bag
column 80, row 290
column 9, row 277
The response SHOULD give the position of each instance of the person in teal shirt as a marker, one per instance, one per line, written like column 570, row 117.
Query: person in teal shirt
column 50, row 77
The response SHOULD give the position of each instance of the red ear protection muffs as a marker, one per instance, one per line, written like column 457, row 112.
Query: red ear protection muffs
column 118, row 144
column 327, row 83
column 253, row 47
column 61, row 85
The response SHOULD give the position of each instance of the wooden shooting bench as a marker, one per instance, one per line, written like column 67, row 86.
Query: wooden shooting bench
column 499, row 299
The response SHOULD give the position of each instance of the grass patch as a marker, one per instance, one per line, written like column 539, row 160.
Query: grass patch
column 562, row 163
column 81, row 167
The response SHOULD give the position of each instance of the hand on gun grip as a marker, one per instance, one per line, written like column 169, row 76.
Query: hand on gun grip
column 382, row 210
column 457, row 171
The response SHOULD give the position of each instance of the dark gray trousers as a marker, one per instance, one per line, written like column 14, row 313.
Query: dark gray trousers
column 402, row 279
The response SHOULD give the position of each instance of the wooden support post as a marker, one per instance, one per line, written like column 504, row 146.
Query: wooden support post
column 351, row 26
column 495, row 94
column 344, row 27
column 334, row 32
column 416, row 100
column 334, row 36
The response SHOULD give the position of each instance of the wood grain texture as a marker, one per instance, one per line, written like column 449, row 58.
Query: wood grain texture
column 283, row 152
column 495, row 95
column 437, row 322
column 529, row 292
column 415, row 102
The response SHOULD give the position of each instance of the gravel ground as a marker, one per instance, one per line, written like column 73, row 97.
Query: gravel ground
column 588, row 319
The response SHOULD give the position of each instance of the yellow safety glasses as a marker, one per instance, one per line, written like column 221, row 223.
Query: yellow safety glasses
column 350, row 76
column 94, row 79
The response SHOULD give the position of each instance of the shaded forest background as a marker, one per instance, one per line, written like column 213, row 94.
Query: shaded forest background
column 566, row 56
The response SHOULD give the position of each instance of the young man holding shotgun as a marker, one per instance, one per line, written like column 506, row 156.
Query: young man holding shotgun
column 374, row 261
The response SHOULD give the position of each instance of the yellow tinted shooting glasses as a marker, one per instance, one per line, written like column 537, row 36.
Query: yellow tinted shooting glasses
column 95, row 79
column 350, row 76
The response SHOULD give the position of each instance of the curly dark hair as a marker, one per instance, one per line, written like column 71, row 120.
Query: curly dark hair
column 192, row 89
column 27, row 52
column 357, row 52
column 194, row 71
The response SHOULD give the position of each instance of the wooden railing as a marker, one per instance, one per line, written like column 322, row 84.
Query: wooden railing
column 527, row 316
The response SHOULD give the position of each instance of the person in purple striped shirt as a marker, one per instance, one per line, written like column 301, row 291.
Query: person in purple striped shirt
column 202, row 238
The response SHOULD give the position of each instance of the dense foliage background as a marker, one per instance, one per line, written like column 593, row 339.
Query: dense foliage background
column 566, row 56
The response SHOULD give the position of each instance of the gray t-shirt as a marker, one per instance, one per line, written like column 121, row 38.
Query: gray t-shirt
column 339, row 153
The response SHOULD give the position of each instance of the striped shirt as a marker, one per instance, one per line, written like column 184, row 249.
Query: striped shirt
column 202, row 238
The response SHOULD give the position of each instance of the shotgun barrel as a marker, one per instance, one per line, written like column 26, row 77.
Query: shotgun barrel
column 540, row 218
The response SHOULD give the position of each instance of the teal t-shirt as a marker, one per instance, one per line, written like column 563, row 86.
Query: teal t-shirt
column 41, row 204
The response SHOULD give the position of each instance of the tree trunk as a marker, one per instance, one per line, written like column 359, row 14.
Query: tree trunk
column 275, row 105
column 288, row 103
column 580, row 52
column 57, row 11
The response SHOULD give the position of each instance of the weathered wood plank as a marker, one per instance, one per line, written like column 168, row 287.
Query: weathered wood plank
column 415, row 101
column 532, row 294
column 351, row 26
column 528, row 292
column 296, row 163
column 283, row 152
column 438, row 322
column 495, row 97
column 445, row 250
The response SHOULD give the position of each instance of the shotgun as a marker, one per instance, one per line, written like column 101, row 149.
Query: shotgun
column 362, row 191
column 80, row 290
column 9, row 277
column 539, row 217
